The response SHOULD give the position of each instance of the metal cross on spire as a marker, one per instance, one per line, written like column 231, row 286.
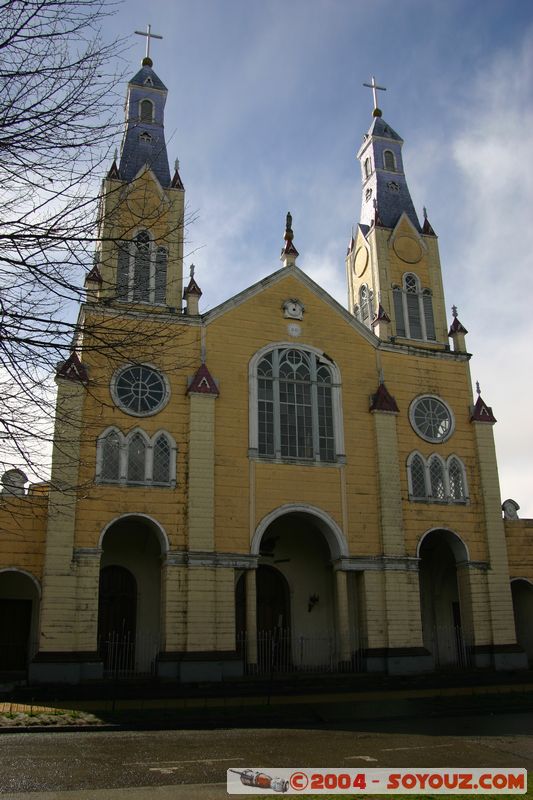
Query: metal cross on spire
column 149, row 35
column 375, row 88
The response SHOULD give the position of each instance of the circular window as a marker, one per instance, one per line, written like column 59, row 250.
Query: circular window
column 140, row 390
column 431, row 419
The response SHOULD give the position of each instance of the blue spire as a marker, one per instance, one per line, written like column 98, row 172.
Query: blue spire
column 144, row 137
column 385, row 187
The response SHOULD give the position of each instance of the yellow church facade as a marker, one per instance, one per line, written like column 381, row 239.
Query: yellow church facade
column 277, row 483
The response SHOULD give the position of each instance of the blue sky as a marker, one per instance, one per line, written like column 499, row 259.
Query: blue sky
column 266, row 110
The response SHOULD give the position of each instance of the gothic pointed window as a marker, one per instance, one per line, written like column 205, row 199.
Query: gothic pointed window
column 141, row 273
column 160, row 287
column 366, row 305
column 368, row 167
column 417, row 476
column 161, row 460
column 110, row 458
column 413, row 310
column 141, row 270
column 456, row 480
column 436, row 479
column 136, row 459
column 389, row 162
column 146, row 111
column 296, row 399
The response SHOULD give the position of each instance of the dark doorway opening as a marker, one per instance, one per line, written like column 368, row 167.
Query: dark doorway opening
column 15, row 626
column 117, row 618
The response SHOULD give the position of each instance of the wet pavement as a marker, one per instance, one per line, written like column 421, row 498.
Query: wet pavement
column 65, row 765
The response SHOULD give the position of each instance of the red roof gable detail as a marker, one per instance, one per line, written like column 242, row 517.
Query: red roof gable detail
column 94, row 275
column 192, row 288
column 482, row 412
column 73, row 370
column 203, row 383
column 383, row 401
column 427, row 228
column 177, row 182
column 381, row 316
column 456, row 327
column 289, row 250
column 113, row 173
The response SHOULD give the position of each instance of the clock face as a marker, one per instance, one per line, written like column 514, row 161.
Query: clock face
column 361, row 261
column 293, row 309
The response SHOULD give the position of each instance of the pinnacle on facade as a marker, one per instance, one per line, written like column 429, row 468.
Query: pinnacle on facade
column 289, row 253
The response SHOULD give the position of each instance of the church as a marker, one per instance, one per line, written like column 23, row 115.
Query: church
column 278, row 483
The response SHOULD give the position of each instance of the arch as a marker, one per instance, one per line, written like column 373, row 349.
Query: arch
column 389, row 161
column 457, row 545
column 333, row 534
column 336, row 442
column 437, row 478
column 27, row 575
column 146, row 110
column 524, row 580
column 152, row 523
column 416, row 476
column 458, row 489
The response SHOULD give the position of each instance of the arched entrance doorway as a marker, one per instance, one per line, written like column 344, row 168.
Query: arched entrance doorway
column 444, row 629
column 19, row 619
column 296, row 600
column 129, row 601
column 522, row 591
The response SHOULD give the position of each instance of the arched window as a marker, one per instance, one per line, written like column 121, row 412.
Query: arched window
column 146, row 111
column 457, row 480
column 298, row 405
column 414, row 310
column 141, row 270
column 160, row 287
column 446, row 481
column 366, row 305
column 110, row 469
column 368, row 168
column 417, row 477
column 389, row 162
column 136, row 458
column 141, row 273
column 436, row 479
column 161, row 460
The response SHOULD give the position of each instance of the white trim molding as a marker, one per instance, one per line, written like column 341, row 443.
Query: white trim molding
column 331, row 531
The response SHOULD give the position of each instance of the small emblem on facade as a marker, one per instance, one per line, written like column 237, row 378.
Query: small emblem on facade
column 393, row 186
column 294, row 329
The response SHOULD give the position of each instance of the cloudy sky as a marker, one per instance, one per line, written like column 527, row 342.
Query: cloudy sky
column 266, row 110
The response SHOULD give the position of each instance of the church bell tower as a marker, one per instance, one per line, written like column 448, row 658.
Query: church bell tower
column 393, row 267
column 140, row 260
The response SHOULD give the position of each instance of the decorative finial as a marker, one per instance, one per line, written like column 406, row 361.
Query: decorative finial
column 377, row 111
column 177, row 164
column 115, row 154
column 381, row 376
column 425, row 212
column 289, row 233
column 478, row 390
column 191, row 270
column 147, row 61
column 454, row 311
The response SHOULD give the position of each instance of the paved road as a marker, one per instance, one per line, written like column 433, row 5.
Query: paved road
column 192, row 764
